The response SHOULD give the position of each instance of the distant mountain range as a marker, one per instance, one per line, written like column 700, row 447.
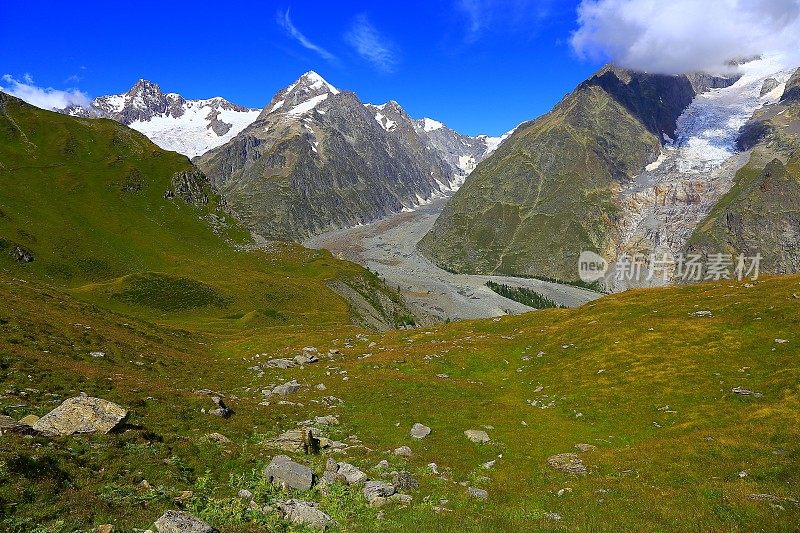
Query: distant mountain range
column 189, row 127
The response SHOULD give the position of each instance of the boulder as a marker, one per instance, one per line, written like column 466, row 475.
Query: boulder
column 281, row 363
column 328, row 420
column 290, row 387
column 29, row 420
column 585, row 447
column 568, row 463
column 477, row 436
column 81, row 415
column 297, row 441
column 403, row 451
column 222, row 410
column 478, row 494
column 402, row 499
column 377, row 489
column 305, row 359
column 420, row 431
column 20, row 254
column 219, row 438
column 180, row 522
column 405, row 481
column 288, row 474
column 9, row 425
column 303, row 513
column 350, row 475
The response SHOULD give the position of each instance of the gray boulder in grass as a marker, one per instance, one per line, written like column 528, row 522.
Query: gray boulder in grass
column 180, row 522
column 285, row 472
column 81, row 415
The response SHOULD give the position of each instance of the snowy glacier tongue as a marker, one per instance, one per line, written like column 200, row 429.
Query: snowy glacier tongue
column 708, row 129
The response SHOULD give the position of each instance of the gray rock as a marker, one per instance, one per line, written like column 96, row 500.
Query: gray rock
column 377, row 489
column 405, row 481
column 420, row 431
column 568, row 463
column 222, row 410
column 20, row 254
column 477, row 436
column 304, row 513
column 328, row 420
column 297, row 440
column 741, row 391
column 180, row 522
column 288, row 474
column 281, row 363
column 350, row 474
column 290, row 387
column 479, row 494
column 403, row 451
column 402, row 499
column 82, row 414
column 245, row 494
column 700, row 314
column 9, row 425
column 305, row 359
column 768, row 85
column 585, row 447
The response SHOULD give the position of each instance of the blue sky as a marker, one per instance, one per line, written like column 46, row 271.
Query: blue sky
column 480, row 66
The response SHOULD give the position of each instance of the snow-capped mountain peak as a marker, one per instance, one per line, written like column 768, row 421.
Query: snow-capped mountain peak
column 301, row 96
column 189, row 127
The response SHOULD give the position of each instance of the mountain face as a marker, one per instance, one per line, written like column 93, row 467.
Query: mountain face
column 761, row 212
column 548, row 192
column 432, row 139
column 189, row 127
column 317, row 158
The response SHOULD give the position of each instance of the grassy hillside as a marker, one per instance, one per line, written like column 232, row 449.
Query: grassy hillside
column 548, row 192
column 636, row 375
column 87, row 198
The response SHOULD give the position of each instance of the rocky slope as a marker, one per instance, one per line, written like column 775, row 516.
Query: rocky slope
column 189, row 127
column 318, row 159
column 550, row 190
column 761, row 212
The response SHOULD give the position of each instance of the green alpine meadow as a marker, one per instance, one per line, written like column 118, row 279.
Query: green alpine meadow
column 570, row 302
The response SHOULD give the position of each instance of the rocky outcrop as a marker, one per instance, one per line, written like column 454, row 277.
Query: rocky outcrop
column 792, row 91
column 81, row 415
column 288, row 474
column 191, row 186
column 181, row 522
column 304, row 513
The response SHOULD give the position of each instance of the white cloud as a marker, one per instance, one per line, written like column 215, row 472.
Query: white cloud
column 371, row 45
column 46, row 98
column 680, row 36
column 286, row 23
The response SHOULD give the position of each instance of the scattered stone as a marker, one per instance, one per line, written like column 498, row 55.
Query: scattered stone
column 245, row 494
column 402, row 499
column 420, row 431
column 403, row 451
column 290, row 387
column 328, row 420
column 442, row 376
column 81, row 415
column 746, row 392
column 180, row 522
column 553, row 516
column 479, row 494
column 281, row 363
column 405, row 481
column 350, row 475
column 305, row 359
column 222, row 410
column 489, row 464
column 20, row 254
column 304, row 513
column 104, row 528
column 377, row 489
column 378, row 502
column 434, row 468
column 585, row 447
column 321, row 386
column 568, row 463
column 9, row 425
column 772, row 498
column 700, row 314
column 477, row 436
column 97, row 354
column 297, row 441
column 219, row 438
column 383, row 463
column 781, row 341
column 288, row 474
column 743, row 474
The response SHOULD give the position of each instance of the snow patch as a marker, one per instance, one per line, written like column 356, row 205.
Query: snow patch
column 431, row 125
column 308, row 105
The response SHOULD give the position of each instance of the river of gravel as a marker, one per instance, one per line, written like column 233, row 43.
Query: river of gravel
column 389, row 247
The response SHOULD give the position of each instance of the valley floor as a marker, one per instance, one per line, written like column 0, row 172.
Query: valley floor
column 389, row 247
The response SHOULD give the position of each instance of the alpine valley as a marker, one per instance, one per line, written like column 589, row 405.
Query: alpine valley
column 328, row 315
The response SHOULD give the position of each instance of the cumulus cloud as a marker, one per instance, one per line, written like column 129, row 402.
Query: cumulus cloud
column 680, row 36
column 286, row 23
column 371, row 45
column 44, row 97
